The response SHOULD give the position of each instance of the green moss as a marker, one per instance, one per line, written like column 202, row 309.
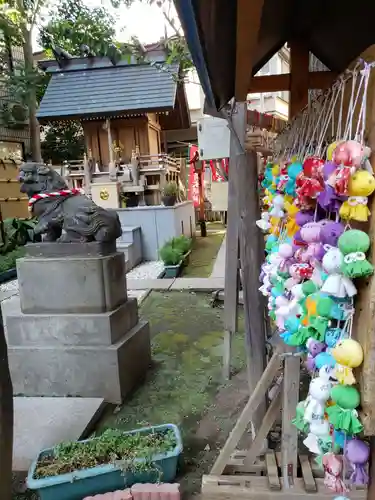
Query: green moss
column 187, row 336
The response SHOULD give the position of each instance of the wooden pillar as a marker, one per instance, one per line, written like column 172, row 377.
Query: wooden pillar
column 299, row 77
column 232, row 247
column 112, row 166
column 250, row 257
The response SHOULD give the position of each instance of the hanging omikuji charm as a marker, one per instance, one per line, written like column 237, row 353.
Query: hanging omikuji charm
column 354, row 244
column 315, row 206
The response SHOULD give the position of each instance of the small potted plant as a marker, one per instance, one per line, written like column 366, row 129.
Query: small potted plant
column 172, row 258
column 183, row 243
column 112, row 461
column 170, row 193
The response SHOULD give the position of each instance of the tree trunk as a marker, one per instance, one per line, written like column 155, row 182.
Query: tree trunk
column 32, row 105
column 6, row 419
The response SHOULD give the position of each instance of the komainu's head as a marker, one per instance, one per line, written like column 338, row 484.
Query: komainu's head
column 37, row 178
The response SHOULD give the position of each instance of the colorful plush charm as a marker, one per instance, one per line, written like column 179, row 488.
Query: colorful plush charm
column 314, row 347
column 357, row 453
column 328, row 199
column 319, row 393
column 294, row 170
column 336, row 284
column 320, row 310
column 361, row 185
column 332, row 337
column 310, row 233
column 343, row 415
column 264, row 222
column 299, row 420
column 278, row 206
column 331, row 232
column 324, row 359
column 354, row 244
column 333, row 467
column 318, row 433
column 348, row 354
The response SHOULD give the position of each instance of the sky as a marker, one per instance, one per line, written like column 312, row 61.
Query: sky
column 141, row 20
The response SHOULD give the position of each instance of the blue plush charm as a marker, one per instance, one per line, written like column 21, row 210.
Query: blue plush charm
column 324, row 359
column 332, row 336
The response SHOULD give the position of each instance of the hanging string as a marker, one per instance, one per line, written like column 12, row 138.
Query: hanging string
column 335, row 94
column 362, row 113
column 339, row 123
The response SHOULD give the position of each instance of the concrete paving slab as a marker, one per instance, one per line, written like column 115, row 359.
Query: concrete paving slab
column 7, row 293
column 221, row 295
column 41, row 423
column 140, row 295
column 201, row 284
column 153, row 284
column 218, row 271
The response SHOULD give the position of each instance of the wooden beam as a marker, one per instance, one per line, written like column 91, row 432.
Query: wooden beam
column 299, row 77
column 249, row 16
column 289, row 434
column 232, row 246
column 279, row 83
column 251, row 260
column 243, row 421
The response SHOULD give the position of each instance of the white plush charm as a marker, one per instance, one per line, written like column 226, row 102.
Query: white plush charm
column 336, row 283
column 319, row 392
column 318, row 429
column 264, row 222
column 277, row 208
column 281, row 304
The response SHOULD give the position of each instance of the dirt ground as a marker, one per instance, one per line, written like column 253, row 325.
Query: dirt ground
column 184, row 386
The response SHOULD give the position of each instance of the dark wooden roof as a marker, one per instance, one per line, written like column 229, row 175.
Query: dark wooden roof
column 335, row 31
column 95, row 88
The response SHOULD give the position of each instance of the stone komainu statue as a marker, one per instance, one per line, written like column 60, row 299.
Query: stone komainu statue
column 65, row 215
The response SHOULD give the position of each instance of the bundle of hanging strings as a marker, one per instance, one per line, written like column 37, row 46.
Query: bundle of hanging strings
column 318, row 183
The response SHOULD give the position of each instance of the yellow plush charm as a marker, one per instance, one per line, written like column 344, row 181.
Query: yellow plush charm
column 348, row 354
column 331, row 149
column 361, row 185
column 291, row 226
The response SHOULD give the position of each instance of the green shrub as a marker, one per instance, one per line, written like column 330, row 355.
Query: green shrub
column 182, row 242
column 16, row 233
column 170, row 255
column 170, row 189
column 8, row 261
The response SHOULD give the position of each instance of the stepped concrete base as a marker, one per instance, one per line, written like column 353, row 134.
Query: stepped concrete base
column 92, row 249
column 130, row 243
column 110, row 372
column 71, row 285
column 36, row 330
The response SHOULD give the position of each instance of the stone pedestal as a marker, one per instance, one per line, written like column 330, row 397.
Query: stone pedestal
column 72, row 331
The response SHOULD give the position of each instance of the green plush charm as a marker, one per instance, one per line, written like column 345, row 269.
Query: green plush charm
column 300, row 337
column 354, row 244
column 299, row 421
column 343, row 415
column 325, row 445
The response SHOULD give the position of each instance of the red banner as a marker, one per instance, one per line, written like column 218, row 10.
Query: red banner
column 193, row 185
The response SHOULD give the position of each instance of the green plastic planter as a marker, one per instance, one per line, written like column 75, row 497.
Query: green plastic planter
column 79, row 484
column 172, row 271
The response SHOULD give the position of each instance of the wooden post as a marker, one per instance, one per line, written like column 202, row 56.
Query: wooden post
column 290, row 400
column 232, row 246
column 250, row 256
column 299, row 77
column 111, row 166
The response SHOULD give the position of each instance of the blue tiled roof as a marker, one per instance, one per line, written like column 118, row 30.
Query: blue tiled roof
column 108, row 90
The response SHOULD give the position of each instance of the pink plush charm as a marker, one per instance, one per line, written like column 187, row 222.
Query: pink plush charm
column 333, row 471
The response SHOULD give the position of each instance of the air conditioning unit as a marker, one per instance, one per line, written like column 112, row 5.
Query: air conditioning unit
column 15, row 115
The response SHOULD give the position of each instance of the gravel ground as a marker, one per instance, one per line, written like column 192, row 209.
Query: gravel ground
column 147, row 270
column 9, row 286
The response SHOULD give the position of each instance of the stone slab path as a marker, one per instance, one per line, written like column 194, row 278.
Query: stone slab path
column 41, row 423
column 218, row 270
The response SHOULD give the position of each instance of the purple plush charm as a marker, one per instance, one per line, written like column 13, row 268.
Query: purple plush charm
column 315, row 347
column 357, row 453
column 331, row 232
